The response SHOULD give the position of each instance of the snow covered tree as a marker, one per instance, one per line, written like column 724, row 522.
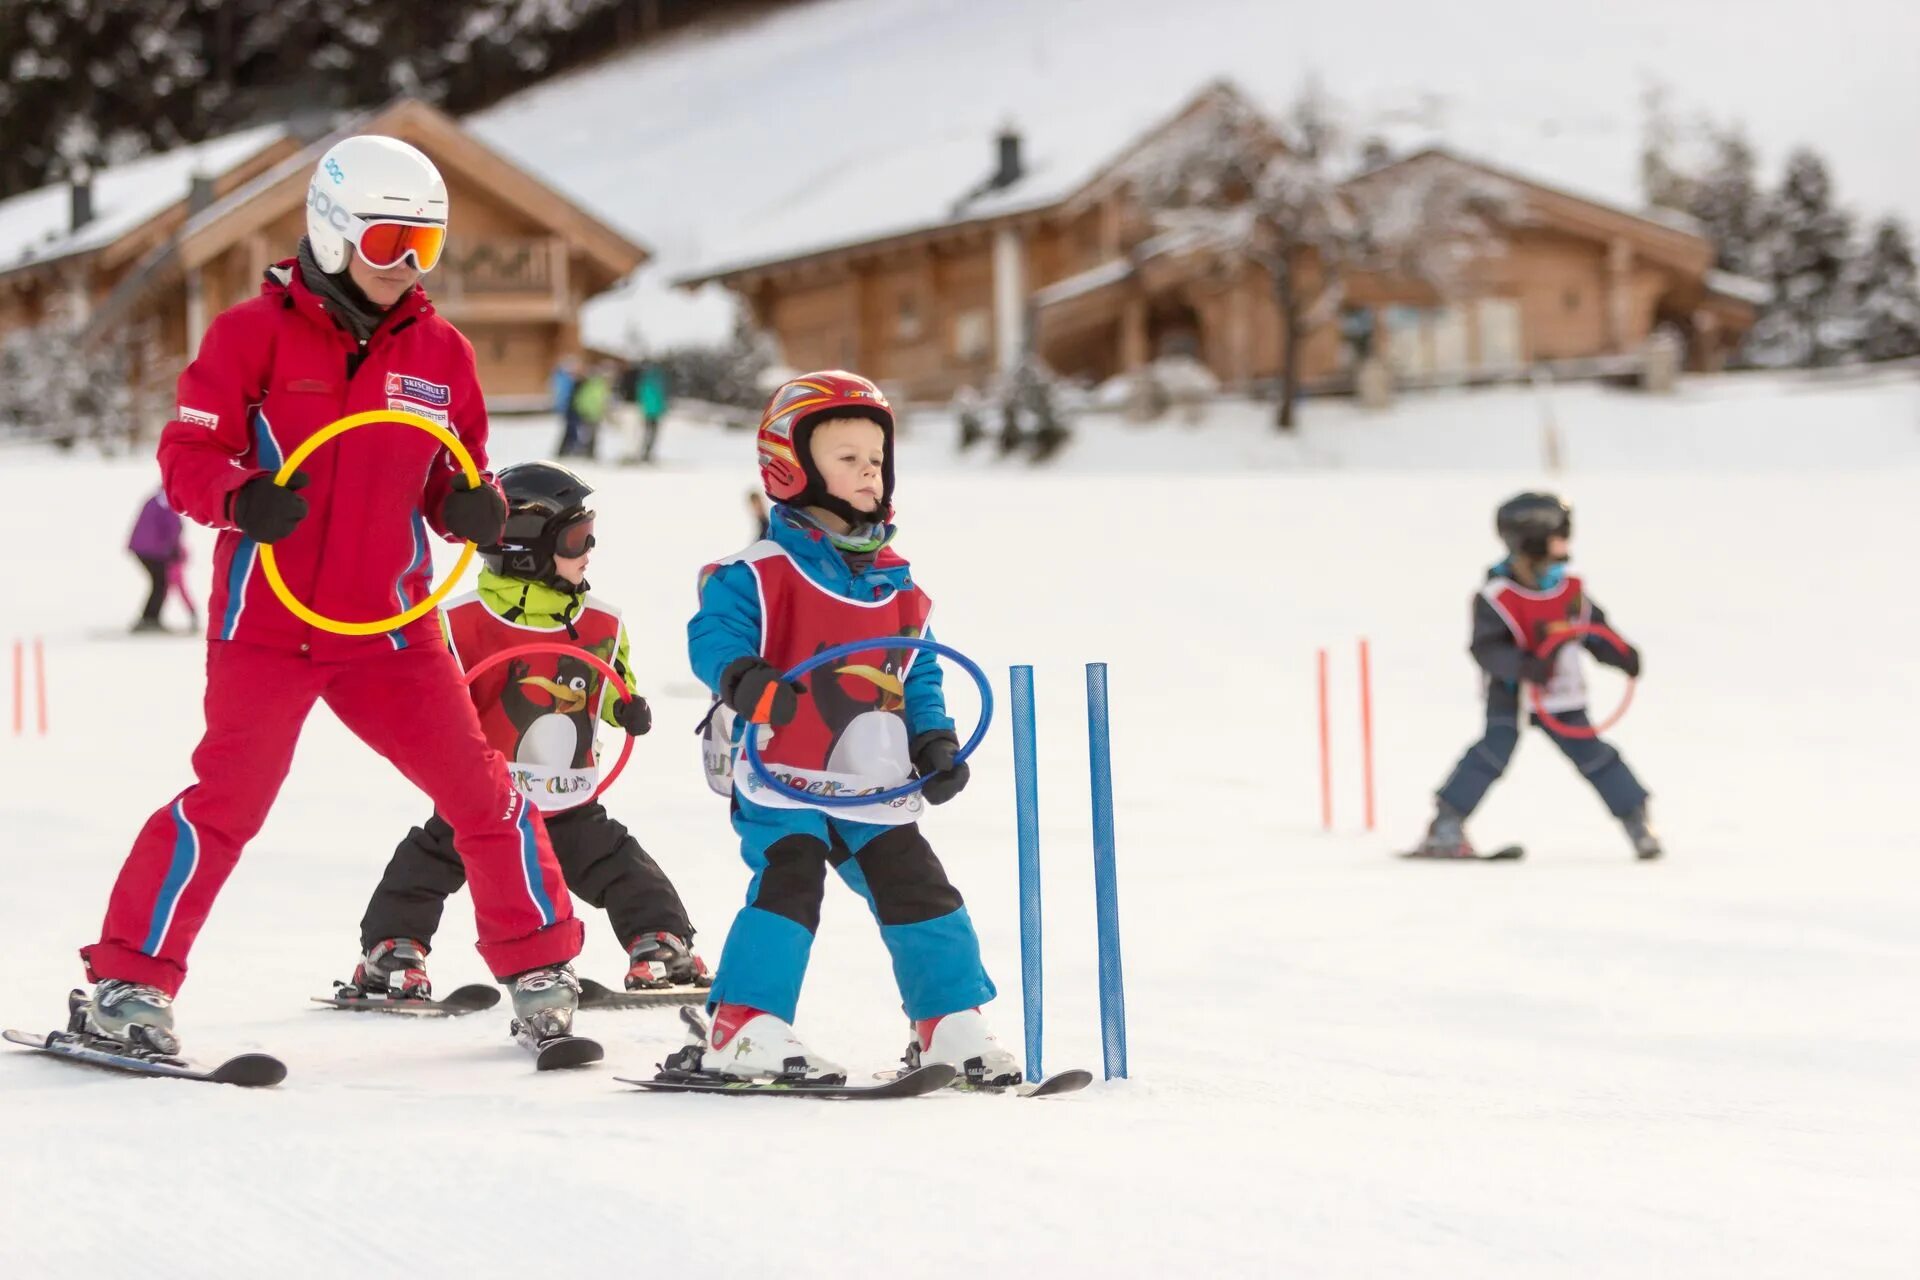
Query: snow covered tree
column 1804, row 247
column 1270, row 193
column 1887, row 292
column 1727, row 200
column 1666, row 180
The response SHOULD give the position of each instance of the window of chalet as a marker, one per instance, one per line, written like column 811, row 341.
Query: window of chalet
column 906, row 319
column 972, row 334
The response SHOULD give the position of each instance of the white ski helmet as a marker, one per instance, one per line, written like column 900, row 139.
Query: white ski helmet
column 364, row 178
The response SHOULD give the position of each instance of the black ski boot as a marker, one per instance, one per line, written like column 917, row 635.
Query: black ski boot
column 1646, row 842
column 657, row 960
column 395, row 968
column 1446, row 835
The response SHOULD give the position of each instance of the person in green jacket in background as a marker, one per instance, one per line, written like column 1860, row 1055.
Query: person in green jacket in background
column 651, row 396
column 590, row 400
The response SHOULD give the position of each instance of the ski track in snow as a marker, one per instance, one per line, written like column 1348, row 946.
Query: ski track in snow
column 1344, row 1065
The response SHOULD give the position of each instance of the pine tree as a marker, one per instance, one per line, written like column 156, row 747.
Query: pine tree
column 1887, row 287
column 1728, row 202
column 1805, row 247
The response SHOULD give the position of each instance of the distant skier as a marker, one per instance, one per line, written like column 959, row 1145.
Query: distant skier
column 156, row 542
column 1527, row 598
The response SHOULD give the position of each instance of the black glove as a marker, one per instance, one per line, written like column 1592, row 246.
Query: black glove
column 1536, row 669
column 933, row 753
column 1630, row 662
column 634, row 715
column 474, row 513
column 267, row 512
column 753, row 688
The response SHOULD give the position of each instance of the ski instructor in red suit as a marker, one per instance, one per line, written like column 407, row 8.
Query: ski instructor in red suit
column 341, row 328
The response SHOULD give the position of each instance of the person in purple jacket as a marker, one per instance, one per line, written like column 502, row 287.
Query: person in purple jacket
column 157, row 544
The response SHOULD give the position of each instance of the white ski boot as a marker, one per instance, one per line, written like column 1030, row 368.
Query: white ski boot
column 747, row 1044
column 964, row 1042
column 543, row 1002
column 132, row 1013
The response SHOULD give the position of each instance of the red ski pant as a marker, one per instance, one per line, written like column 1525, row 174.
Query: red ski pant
column 408, row 705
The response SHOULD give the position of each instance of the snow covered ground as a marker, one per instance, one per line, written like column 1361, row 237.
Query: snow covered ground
column 1343, row 1065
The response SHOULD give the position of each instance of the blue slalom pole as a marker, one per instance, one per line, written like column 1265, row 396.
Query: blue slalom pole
column 1026, row 794
column 1106, row 891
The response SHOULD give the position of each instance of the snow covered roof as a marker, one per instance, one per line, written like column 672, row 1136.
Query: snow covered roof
column 1661, row 220
column 1745, row 288
column 35, row 225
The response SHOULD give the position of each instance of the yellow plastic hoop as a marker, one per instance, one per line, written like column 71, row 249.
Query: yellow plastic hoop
column 292, row 464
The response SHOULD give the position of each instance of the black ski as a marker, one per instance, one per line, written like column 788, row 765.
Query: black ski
column 248, row 1070
column 1509, row 853
column 558, row 1052
column 471, row 998
column 909, row 1084
column 1060, row 1082
column 595, row 995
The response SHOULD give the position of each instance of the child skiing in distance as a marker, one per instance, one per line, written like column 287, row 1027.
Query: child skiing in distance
column 1527, row 598
column 540, row 712
column 157, row 543
column 824, row 575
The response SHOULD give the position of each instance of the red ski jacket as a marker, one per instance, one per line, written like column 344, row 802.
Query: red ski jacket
column 272, row 372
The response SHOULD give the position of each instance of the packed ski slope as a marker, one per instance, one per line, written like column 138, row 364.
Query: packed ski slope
column 1343, row 1065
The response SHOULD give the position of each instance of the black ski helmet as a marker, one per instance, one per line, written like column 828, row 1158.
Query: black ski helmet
column 541, row 500
column 1526, row 520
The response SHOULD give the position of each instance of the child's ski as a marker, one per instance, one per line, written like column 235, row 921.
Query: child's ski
column 1508, row 853
column 595, row 995
column 471, row 998
column 909, row 1084
column 1060, row 1082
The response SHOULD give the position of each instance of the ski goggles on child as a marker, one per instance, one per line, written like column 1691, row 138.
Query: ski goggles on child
column 575, row 538
column 382, row 244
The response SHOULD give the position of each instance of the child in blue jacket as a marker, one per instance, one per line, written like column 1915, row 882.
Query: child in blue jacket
column 826, row 575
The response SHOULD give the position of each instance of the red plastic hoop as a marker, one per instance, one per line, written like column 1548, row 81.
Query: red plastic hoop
column 593, row 660
column 1551, row 647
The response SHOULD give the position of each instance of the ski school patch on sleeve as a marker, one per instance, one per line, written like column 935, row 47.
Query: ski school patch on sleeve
column 199, row 417
column 419, row 390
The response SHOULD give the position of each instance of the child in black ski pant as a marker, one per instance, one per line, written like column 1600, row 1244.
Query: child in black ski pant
column 541, row 711
column 1529, row 597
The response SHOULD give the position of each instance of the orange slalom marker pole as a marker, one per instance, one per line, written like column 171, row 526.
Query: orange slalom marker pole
column 1366, row 728
column 40, row 686
column 1326, row 765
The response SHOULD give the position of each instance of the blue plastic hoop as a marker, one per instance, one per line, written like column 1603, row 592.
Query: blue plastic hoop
column 749, row 738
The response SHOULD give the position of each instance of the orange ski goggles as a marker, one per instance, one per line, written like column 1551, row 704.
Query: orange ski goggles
column 383, row 244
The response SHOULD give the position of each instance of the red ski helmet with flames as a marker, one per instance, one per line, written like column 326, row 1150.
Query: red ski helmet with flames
column 787, row 472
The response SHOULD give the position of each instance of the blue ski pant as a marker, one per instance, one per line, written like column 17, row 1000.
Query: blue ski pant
column 923, row 921
column 1599, row 762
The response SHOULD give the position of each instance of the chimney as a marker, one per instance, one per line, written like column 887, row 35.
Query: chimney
column 199, row 193
column 1009, row 170
column 80, row 199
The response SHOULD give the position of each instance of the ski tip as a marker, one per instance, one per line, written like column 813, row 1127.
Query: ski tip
column 250, row 1070
column 1059, row 1083
column 568, row 1052
column 475, row 996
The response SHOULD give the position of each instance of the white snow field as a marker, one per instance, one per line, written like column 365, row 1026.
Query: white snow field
column 1343, row 1064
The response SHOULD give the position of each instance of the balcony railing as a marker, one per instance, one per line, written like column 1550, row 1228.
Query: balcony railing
column 496, row 268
